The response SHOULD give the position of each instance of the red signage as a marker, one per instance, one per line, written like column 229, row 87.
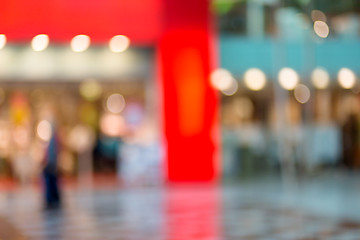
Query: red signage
column 140, row 20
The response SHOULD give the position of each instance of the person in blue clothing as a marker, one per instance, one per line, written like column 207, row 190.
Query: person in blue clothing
column 50, row 172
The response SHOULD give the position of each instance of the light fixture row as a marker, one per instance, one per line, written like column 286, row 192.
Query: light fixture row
column 320, row 78
column 288, row 79
column 79, row 43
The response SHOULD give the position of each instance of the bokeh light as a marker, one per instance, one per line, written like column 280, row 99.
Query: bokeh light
column 112, row 125
column 221, row 79
column 232, row 89
column 2, row 41
column 115, row 103
column 244, row 107
column 44, row 130
column 320, row 78
column 288, row 78
column 119, row 43
column 80, row 43
column 302, row 93
column 90, row 89
column 321, row 29
column 255, row 79
column 81, row 138
column 66, row 162
column 346, row 78
column 40, row 42
column 317, row 15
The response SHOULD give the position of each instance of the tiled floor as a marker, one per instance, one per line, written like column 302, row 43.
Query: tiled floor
column 326, row 207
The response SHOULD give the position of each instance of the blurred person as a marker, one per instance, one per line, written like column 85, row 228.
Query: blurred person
column 50, row 171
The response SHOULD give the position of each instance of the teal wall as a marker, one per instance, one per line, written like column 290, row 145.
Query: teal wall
column 238, row 54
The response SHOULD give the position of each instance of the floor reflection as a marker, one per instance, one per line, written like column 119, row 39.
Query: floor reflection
column 193, row 213
column 315, row 209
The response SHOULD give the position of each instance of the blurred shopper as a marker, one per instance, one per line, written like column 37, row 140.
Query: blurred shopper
column 350, row 131
column 50, row 172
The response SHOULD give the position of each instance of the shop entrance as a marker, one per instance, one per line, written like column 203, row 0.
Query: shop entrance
column 101, row 117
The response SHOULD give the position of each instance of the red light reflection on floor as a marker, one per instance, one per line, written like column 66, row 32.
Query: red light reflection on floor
column 193, row 213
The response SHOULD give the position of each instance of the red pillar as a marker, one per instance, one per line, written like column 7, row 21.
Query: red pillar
column 189, row 103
